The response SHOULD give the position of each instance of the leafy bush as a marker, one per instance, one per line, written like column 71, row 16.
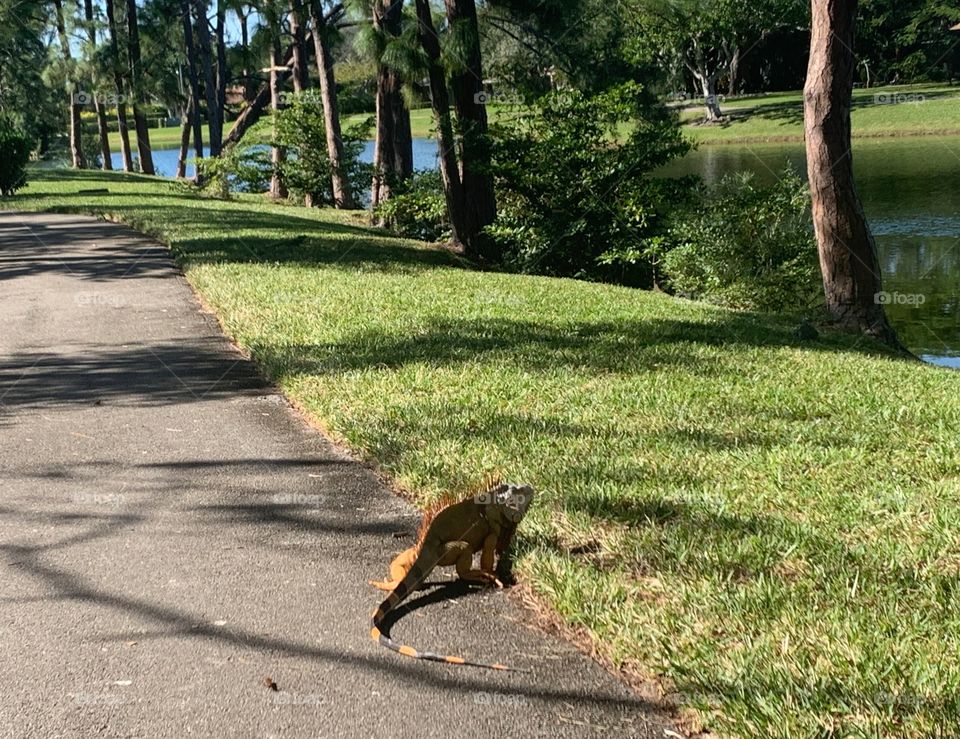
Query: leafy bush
column 575, row 190
column 301, row 129
column 417, row 209
column 748, row 246
column 14, row 155
column 240, row 168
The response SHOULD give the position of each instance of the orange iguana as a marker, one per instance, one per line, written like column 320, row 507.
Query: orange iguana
column 483, row 523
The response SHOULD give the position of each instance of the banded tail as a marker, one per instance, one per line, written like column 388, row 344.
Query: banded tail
column 392, row 601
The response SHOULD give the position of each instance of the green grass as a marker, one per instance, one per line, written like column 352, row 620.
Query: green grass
column 924, row 110
column 160, row 138
column 752, row 118
column 769, row 526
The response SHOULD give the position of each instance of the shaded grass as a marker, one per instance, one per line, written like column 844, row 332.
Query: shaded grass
column 769, row 525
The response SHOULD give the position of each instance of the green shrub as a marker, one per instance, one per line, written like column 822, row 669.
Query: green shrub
column 575, row 193
column 301, row 129
column 240, row 168
column 748, row 246
column 417, row 209
column 14, row 155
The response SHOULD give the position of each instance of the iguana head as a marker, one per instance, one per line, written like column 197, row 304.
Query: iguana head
column 510, row 499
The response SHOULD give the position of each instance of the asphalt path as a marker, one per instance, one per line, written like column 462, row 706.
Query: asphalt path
column 182, row 555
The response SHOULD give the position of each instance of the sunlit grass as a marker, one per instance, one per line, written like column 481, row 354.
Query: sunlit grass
column 771, row 526
column 902, row 110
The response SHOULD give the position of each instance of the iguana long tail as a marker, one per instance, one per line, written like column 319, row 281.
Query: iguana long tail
column 403, row 589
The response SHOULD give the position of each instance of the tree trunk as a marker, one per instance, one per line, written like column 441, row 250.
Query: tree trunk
column 252, row 113
column 440, row 102
column 848, row 259
column 209, row 78
column 278, row 155
column 734, row 71
column 301, row 75
column 708, row 86
column 393, row 146
column 77, row 158
column 102, row 130
column 194, row 79
column 184, row 139
column 245, row 49
column 221, row 72
column 122, row 125
column 342, row 195
column 106, row 156
column 467, row 86
column 139, row 119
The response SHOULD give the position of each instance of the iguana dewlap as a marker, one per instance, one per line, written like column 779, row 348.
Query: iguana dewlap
column 483, row 523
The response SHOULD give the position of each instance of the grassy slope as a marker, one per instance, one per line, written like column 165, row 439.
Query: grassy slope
column 771, row 525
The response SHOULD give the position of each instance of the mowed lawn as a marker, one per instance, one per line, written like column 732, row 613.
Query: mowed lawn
column 900, row 110
column 771, row 527
column 903, row 110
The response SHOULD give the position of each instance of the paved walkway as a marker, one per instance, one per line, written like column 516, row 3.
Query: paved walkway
column 171, row 533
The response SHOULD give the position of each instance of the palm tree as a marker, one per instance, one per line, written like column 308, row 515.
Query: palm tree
column 122, row 125
column 324, row 27
column 136, row 77
column 76, row 103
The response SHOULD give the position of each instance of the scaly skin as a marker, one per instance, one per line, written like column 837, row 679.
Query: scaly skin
column 484, row 523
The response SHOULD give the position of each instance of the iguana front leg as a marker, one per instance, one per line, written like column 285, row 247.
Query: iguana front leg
column 485, row 574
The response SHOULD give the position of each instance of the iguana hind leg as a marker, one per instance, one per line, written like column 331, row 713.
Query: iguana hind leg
column 399, row 568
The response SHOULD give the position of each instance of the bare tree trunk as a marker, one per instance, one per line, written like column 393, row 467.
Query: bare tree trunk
column 184, row 139
column 708, row 86
column 301, row 76
column 221, row 72
column 261, row 101
column 734, row 73
column 122, row 125
column 77, row 158
column 278, row 155
column 848, row 258
column 393, row 146
column 245, row 48
column 194, row 79
column 440, row 102
column 102, row 130
column 467, row 86
column 209, row 78
column 342, row 195
column 139, row 119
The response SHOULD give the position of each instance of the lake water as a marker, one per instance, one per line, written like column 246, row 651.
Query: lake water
column 165, row 160
column 910, row 189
